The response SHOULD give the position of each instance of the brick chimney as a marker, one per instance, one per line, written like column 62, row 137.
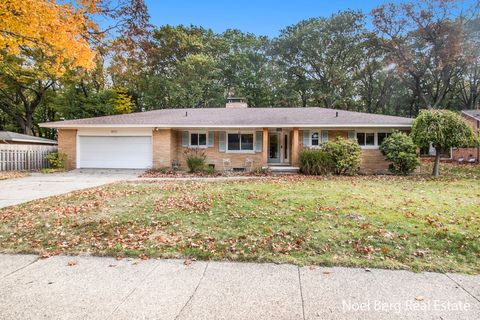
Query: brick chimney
column 236, row 103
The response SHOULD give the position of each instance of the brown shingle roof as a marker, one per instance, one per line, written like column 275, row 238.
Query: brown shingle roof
column 248, row 117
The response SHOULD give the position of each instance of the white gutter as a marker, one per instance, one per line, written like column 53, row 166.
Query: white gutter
column 34, row 141
column 61, row 126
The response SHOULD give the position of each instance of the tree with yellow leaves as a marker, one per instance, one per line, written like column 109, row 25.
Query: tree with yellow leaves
column 123, row 103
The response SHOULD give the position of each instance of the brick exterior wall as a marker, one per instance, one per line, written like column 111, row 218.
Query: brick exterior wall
column 471, row 122
column 216, row 157
column 164, row 147
column 458, row 153
column 466, row 153
column 167, row 146
column 67, row 143
column 373, row 162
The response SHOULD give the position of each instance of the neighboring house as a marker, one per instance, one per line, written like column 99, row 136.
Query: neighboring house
column 24, row 152
column 235, row 134
column 8, row 137
column 472, row 118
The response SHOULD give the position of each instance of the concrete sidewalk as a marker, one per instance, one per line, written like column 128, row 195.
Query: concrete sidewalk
column 104, row 288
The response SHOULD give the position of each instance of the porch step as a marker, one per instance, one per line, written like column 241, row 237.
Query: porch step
column 282, row 169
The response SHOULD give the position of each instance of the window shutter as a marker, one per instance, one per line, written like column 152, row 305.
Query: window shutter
column 258, row 141
column 184, row 138
column 351, row 135
column 222, row 147
column 306, row 138
column 211, row 138
column 324, row 136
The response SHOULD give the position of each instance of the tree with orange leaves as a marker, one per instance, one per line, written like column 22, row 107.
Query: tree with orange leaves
column 44, row 40
column 59, row 31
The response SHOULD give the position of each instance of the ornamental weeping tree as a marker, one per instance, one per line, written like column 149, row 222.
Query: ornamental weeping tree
column 442, row 129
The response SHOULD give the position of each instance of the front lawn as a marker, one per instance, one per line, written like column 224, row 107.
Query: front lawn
column 415, row 223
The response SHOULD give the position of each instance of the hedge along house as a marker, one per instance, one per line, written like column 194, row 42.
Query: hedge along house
column 235, row 135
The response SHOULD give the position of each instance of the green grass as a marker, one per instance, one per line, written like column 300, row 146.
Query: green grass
column 417, row 223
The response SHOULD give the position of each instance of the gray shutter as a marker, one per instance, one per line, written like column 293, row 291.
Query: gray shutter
column 184, row 138
column 351, row 135
column 306, row 138
column 324, row 136
column 222, row 146
column 258, row 141
column 211, row 138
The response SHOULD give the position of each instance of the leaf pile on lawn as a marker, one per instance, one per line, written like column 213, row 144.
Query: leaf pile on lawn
column 5, row 175
column 415, row 223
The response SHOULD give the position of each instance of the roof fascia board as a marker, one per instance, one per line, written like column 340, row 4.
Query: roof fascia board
column 469, row 115
column 33, row 141
column 229, row 126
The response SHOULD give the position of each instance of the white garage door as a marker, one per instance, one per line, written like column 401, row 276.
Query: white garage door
column 115, row 152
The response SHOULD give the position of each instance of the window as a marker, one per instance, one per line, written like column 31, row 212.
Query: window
column 246, row 141
column 240, row 142
column 198, row 139
column 381, row 136
column 370, row 139
column 361, row 138
column 315, row 139
column 318, row 138
column 366, row 138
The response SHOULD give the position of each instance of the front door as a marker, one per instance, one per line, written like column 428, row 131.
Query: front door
column 278, row 147
column 274, row 142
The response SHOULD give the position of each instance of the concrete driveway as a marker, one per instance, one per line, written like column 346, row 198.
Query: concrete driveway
column 105, row 288
column 37, row 185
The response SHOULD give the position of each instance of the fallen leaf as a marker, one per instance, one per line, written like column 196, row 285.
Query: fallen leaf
column 72, row 263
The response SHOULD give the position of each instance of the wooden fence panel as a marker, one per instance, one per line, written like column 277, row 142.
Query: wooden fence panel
column 17, row 157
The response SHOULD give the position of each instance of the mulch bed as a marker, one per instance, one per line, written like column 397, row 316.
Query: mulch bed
column 183, row 174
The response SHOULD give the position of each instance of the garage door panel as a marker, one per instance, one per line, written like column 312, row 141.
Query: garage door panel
column 115, row 152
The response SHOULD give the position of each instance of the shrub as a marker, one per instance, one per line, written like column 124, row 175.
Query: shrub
column 260, row 171
column 315, row 162
column 195, row 159
column 399, row 149
column 57, row 160
column 346, row 155
column 442, row 129
column 209, row 170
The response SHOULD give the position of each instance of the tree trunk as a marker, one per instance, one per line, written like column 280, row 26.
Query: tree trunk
column 436, row 164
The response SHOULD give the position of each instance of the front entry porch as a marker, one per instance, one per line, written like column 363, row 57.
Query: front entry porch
column 278, row 147
column 282, row 150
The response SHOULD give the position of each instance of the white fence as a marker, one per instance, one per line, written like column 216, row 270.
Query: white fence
column 24, row 157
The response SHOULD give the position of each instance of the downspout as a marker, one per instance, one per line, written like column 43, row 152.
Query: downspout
column 478, row 141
